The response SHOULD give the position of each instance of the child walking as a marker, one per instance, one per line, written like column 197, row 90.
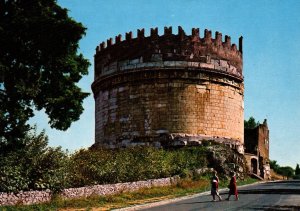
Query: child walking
column 215, row 186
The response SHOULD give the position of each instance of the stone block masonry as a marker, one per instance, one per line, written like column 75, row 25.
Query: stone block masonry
column 168, row 90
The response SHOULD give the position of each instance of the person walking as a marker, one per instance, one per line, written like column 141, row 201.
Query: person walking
column 215, row 187
column 232, row 187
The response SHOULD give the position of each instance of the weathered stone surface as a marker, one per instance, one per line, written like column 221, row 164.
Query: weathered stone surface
column 224, row 160
column 206, row 109
column 26, row 197
column 34, row 197
column 171, row 83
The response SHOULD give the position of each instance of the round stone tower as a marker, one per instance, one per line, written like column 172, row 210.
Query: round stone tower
column 168, row 90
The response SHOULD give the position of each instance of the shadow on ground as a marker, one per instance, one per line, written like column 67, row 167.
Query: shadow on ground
column 199, row 202
column 270, row 191
column 276, row 207
column 268, row 188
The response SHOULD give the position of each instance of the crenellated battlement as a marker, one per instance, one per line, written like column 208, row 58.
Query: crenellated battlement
column 170, row 47
column 194, row 37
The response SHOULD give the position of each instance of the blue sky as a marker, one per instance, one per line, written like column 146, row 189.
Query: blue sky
column 271, row 53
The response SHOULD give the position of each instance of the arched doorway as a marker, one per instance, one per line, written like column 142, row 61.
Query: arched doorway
column 254, row 165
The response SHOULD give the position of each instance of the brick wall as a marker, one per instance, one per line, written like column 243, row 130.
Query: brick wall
column 257, row 141
column 263, row 142
column 257, row 144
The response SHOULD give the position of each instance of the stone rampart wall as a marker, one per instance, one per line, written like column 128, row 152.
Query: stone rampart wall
column 34, row 197
column 26, row 197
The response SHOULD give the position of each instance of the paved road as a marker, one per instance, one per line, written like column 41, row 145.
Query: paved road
column 282, row 195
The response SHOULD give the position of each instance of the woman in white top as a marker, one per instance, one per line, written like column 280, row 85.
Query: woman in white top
column 215, row 186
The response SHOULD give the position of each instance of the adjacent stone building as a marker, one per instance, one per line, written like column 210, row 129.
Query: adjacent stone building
column 257, row 150
column 169, row 90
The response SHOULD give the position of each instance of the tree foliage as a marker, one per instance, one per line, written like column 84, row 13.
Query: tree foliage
column 32, row 166
column 251, row 123
column 297, row 170
column 274, row 165
column 286, row 171
column 39, row 65
column 282, row 170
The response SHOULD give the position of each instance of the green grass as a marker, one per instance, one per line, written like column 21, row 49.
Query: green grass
column 147, row 195
column 246, row 181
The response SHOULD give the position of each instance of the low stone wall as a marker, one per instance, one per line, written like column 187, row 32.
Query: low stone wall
column 34, row 197
column 26, row 197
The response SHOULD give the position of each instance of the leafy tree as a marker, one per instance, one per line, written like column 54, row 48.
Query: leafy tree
column 274, row 165
column 250, row 123
column 297, row 170
column 282, row 170
column 39, row 66
column 33, row 166
column 286, row 171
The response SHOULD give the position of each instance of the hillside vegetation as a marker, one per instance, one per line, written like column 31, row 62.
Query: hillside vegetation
column 36, row 166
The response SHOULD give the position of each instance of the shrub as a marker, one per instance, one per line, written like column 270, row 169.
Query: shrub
column 88, row 167
column 132, row 164
column 33, row 165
